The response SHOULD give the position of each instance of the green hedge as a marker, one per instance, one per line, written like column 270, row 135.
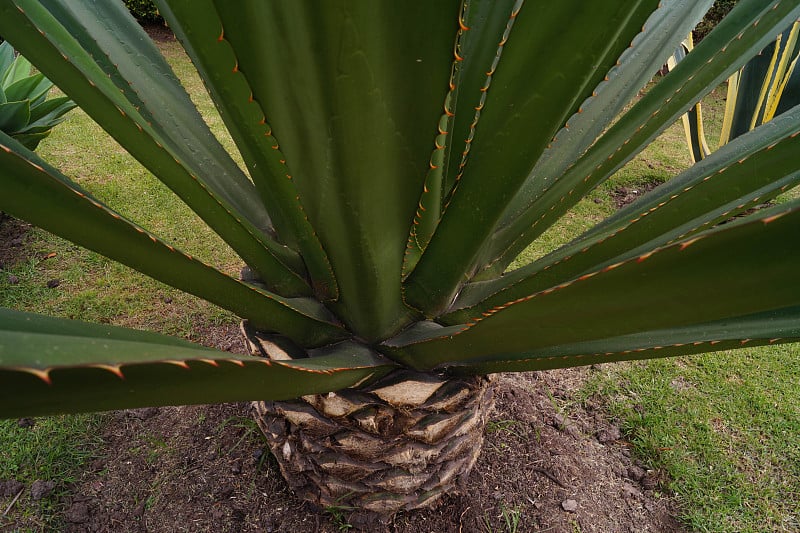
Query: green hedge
column 144, row 11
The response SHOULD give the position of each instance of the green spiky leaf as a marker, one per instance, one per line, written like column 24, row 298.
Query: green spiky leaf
column 397, row 157
column 50, row 361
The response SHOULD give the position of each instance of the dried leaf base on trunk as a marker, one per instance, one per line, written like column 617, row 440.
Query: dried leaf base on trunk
column 399, row 444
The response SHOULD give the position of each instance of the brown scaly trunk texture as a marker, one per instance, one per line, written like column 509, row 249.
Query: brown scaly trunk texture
column 398, row 444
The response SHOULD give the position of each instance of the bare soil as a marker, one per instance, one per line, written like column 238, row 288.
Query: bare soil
column 206, row 468
column 160, row 33
column 13, row 237
column 623, row 196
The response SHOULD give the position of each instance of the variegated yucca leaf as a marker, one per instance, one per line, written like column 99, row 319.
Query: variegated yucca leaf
column 398, row 156
column 766, row 86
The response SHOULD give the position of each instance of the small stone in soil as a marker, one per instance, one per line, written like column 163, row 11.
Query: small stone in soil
column 569, row 505
column 609, row 434
column 12, row 279
column 566, row 425
column 53, row 283
column 41, row 489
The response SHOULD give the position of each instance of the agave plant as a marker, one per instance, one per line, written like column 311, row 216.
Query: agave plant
column 399, row 156
column 766, row 86
column 25, row 112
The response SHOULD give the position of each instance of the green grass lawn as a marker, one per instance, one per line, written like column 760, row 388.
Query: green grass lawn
column 725, row 427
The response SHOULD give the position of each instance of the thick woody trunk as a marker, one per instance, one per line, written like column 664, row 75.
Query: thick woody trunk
column 398, row 444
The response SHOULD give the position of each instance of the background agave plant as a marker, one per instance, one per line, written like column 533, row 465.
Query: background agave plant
column 766, row 86
column 26, row 114
column 423, row 145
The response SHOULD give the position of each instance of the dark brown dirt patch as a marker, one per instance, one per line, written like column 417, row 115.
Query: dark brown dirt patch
column 622, row 196
column 13, row 237
column 206, row 468
column 160, row 33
